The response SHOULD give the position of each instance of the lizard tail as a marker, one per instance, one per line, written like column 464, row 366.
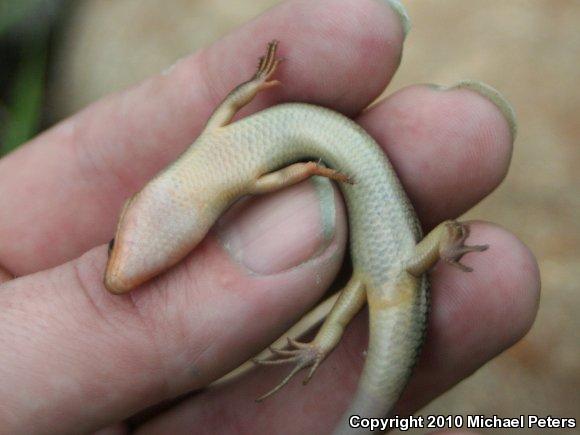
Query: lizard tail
column 397, row 326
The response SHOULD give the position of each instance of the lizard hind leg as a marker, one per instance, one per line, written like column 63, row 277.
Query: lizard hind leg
column 304, row 355
column 445, row 242
column 310, row 355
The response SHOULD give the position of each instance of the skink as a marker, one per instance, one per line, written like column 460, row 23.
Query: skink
column 266, row 152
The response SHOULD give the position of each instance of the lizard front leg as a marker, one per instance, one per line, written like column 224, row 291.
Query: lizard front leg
column 293, row 174
column 246, row 92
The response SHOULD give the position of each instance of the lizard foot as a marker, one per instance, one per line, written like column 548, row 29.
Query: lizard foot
column 316, row 168
column 267, row 66
column 453, row 247
column 302, row 354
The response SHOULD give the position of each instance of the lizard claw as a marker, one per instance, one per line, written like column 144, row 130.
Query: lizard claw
column 454, row 247
column 267, row 65
column 304, row 355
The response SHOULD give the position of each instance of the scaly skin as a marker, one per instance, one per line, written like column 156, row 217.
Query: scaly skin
column 266, row 152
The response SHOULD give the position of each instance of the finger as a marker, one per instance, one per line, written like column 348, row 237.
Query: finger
column 62, row 192
column 474, row 317
column 450, row 146
column 78, row 344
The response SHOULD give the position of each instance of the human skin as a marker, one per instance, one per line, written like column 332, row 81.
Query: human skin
column 82, row 359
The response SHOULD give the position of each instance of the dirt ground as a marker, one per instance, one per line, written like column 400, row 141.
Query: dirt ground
column 528, row 49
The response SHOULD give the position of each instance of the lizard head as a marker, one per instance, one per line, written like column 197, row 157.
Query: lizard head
column 154, row 233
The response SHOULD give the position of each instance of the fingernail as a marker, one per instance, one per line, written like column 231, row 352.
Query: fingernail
column 398, row 7
column 495, row 97
column 277, row 232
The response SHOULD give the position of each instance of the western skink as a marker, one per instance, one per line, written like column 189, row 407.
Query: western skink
column 266, row 152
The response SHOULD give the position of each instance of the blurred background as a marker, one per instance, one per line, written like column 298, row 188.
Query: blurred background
column 58, row 56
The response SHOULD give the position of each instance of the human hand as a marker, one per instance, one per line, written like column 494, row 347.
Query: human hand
column 78, row 358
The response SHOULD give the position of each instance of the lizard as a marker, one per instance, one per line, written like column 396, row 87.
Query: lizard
column 273, row 149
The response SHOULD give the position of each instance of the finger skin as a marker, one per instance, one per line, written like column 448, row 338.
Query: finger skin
column 92, row 358
column 63, row 191
column 451, row 148
column 475, row 316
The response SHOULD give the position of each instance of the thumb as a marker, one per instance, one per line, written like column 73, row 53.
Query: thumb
column 80, row 358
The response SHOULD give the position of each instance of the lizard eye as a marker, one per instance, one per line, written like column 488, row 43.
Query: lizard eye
column 111, row 245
